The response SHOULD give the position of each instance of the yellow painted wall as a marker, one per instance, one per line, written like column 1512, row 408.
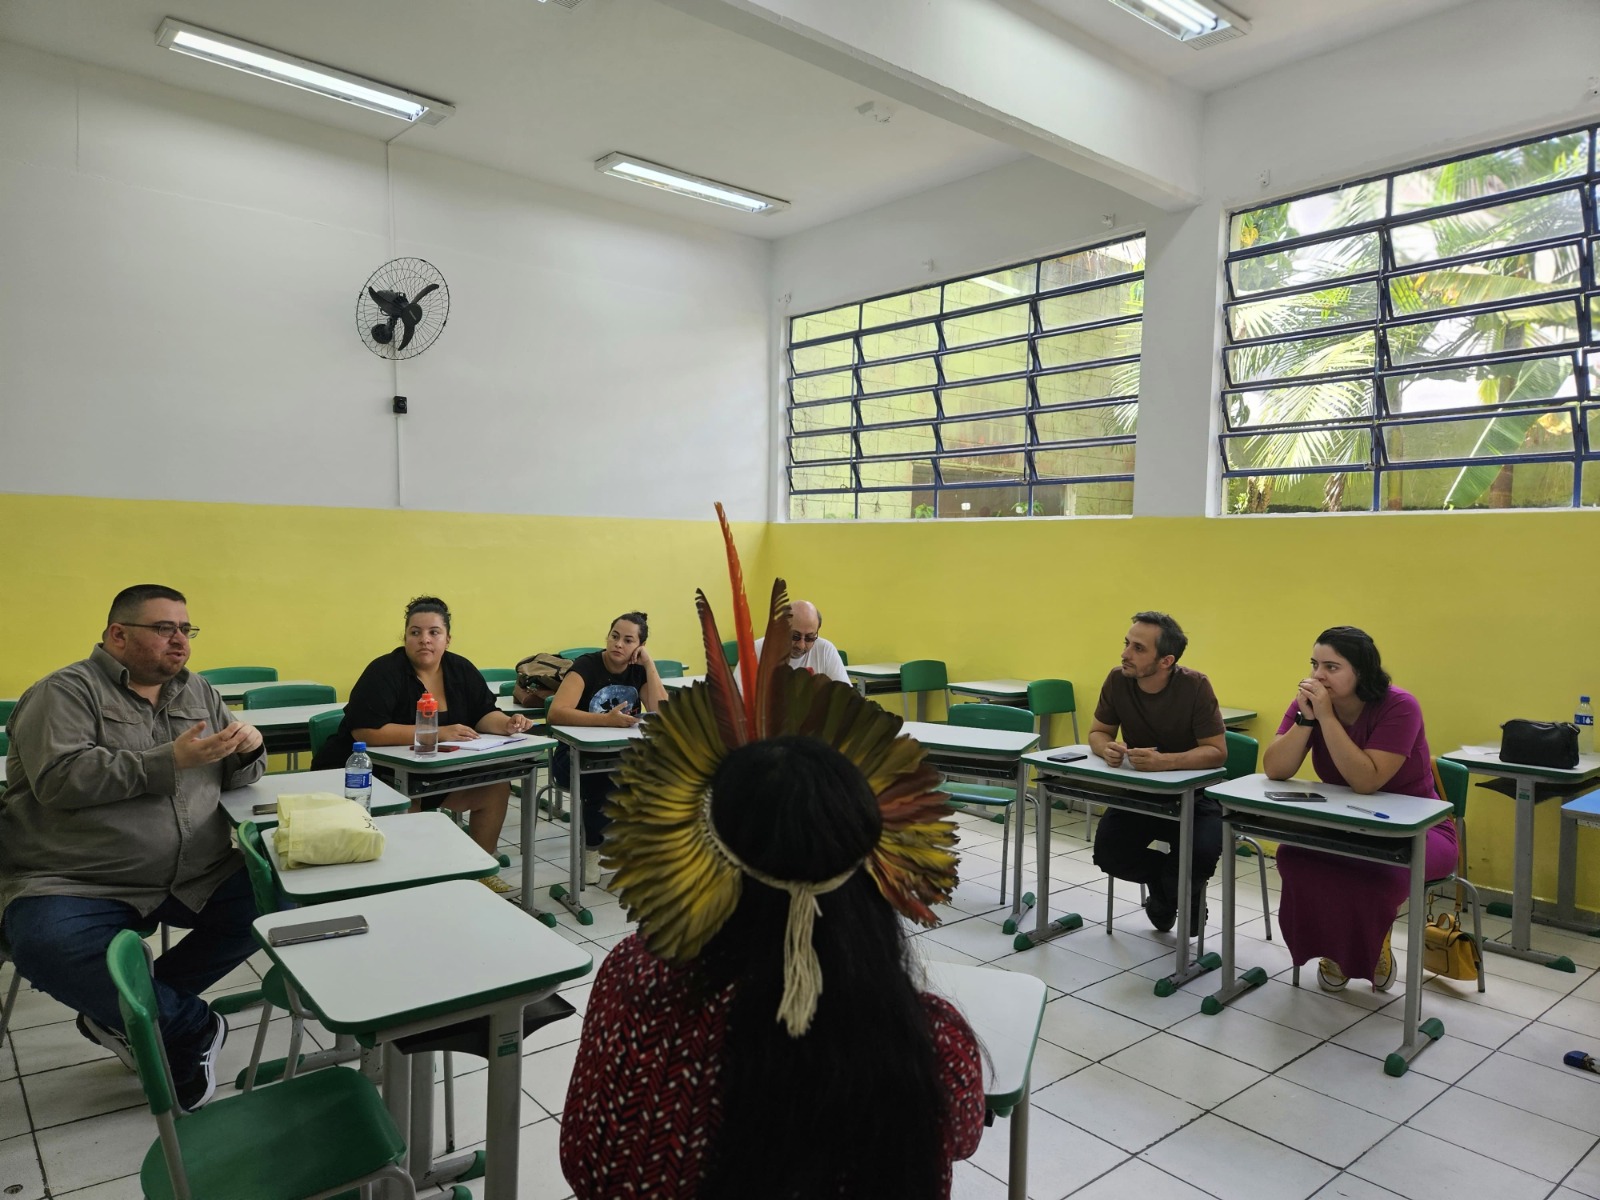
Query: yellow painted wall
column 1484, row 616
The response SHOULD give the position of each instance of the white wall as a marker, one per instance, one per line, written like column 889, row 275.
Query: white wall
column 178, row 277
column 1469, row 77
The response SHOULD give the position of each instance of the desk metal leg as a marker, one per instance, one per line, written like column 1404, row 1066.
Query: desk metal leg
column 1043, row 927
column 397, row 1099
column 1020, row 902
column 1567, row 880
column 1232, row 986
column 528, row 806
column 1185, row 968
column 505, row 1098
column 570, row 896
column 1522, row 888
column 1433, row 1029
column 1017, row 1173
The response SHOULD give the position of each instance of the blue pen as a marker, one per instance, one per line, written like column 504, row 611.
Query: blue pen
column 1371, row 812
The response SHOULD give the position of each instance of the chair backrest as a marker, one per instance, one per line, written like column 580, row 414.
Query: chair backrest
column 843, row 657
column 923, row 675
column 241, row 674
column 1242, row 751
column 1049, row 696
column 576, row 652
column 263, row 883
column 6, row 707
column 322, row 727
column 5, row 743
column 992, row 716
column 730, row 652
column 284, row 695
column 128, row 960
column 497, row 674
column 1453, row 778
column 669, row 668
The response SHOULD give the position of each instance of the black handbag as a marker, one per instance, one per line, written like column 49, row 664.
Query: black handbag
column 1539, row 743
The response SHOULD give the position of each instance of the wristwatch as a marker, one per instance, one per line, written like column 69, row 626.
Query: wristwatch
column 1301, row 719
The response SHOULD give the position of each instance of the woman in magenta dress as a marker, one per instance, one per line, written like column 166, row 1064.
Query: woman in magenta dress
column 1364, row 733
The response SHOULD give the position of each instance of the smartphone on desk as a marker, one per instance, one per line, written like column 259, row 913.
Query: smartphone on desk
column 263, row 810
column 316, row 931
column 1068, row 756
column 1298, row 797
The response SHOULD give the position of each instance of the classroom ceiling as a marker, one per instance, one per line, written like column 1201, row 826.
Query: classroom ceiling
column 542, row 90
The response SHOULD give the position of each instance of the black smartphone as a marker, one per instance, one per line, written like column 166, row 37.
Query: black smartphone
column 1069, row 756
column 262, row 810
column 316, row 931
column 1299, row 797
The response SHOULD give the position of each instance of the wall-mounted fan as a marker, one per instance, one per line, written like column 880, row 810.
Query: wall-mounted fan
column 403, row 308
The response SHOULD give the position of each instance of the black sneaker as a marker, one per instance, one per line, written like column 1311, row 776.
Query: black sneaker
column 109, row 1038
column 1163, row 913
column 198, row 1087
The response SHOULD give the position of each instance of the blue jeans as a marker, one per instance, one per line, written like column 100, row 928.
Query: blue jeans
column 58, row 944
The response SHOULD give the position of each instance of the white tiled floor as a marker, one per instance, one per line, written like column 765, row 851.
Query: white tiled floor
column 1280, row 1097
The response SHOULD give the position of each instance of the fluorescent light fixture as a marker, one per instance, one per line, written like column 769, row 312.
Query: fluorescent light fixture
column 299, row 73
column 670, row 179
column 1187, row 20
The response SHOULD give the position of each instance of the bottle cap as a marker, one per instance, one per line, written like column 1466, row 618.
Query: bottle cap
column 1583, row 699
column 427, row 704
column 361, row 747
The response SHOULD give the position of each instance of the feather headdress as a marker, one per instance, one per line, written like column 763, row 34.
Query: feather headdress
column 673, row 873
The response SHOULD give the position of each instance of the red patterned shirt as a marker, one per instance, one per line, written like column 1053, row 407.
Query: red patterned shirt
column 644, row 1102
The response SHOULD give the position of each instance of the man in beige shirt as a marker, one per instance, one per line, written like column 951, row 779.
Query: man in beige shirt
column 111, row 820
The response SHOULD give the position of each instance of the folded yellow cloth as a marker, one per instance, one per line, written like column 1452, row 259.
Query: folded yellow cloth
column 319, row 828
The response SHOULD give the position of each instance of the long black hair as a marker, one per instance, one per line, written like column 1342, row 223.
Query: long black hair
column 1361, row 652
column 854, row 1106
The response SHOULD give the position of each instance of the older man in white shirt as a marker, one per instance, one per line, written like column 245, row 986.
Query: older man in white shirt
column 808, row 649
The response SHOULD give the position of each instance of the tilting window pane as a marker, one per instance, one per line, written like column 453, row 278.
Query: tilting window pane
column 990, row 287
column 820, row 479
column 977, row 398
column 1484, row 333
column 1344, row 304
column 1090, row 345
column 1487, row 383
column 823, row 356
column 899, row 441
column 988, row 326
column 911, row 406
column 824, row 324
column 1512, row 277
column 1088, row 383
column 897, row 343
column 984, row 502
column 1350, row 205
column 822, row 387
column 1345, row 491
column 1349, row 446
column 905, row 307
column 1590, row 496
column 1300, row 404
column 1560, row 157
column 904, row 473
column 985, row 433
column 1503, row 225
column 1101, row 498
column 1318, row 262
column 821, row 416
column 1008, row 358
column 1305, row 356
column 892, row 377
column 1083, row 460
column 1494, row 485
column 1098, row 304
column 1085, row 266
column 981, row 468
column 1591, row 424
column 817, row 448
column 837, row 507
column 893, row 506
column 1077, row 424
column 1513, row 433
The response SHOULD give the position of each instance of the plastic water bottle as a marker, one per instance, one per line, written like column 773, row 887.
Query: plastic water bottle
column 1584, row 720
column 358, row 777
column 426, row 738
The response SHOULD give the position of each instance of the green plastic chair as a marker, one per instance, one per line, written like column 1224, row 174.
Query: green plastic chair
column 313, row 1136
column 1453, row 779
column 286, row 695
column 843, row 657
column 1046, row 699
column 924, row 675
column 498, row 674
column 5, row 743
column 505, row 687
column 322, row 727
column 669, row 668
column 987, row 795
column 275, row 991
column 730, row 652
column 241, row 674
column 576, row 652
column 6, row 709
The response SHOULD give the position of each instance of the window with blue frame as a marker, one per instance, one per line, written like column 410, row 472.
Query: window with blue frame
column 1009, row 393
column 1423, row 340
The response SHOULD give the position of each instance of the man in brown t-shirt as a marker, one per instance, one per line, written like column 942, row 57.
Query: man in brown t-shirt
column 1169, row 721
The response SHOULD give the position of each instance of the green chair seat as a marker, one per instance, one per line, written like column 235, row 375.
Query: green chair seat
column 286, row 695
column 241, row 674
column 284, row 1142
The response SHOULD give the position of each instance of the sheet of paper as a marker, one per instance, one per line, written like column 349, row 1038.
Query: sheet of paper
column 488, row 741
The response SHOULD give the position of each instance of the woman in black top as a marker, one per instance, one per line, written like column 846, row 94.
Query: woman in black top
column 382, row 711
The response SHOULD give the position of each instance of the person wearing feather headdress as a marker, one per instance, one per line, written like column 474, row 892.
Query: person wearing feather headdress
column 762, row 1034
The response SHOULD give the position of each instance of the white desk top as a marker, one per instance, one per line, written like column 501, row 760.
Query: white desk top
column 285, row 718
column 1234, row 716
column 1095, row 767
column 1001, row 743
column 1585, row 808
column 239, row 802
column 990, row 687
column 232, row 692
column 596, row 737
column 526, row 746
column 476, row 949
column 1005, row 1009
column 419, row 848
column 874, row 670
column 681, row 682
column 1390, row 813
column 1485, row 760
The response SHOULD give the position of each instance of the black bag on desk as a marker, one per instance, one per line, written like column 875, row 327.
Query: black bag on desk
column 1539, row 743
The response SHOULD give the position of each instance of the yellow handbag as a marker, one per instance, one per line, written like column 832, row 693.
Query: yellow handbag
column 1448, row 950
